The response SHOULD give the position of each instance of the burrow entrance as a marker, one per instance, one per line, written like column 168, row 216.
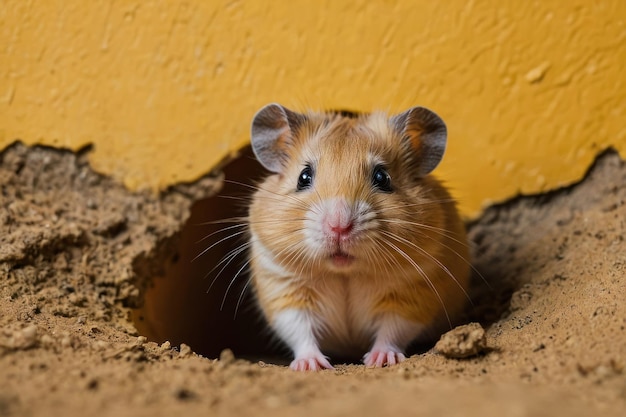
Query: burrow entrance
column 203, row 299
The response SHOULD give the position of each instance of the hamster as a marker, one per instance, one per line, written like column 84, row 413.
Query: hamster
column 355, row 248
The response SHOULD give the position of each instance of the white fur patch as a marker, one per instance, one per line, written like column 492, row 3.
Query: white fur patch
column 298, row 328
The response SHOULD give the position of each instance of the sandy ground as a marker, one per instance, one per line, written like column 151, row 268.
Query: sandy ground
column 78, row 253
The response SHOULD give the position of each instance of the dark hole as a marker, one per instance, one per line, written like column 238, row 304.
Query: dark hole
column 180, row 307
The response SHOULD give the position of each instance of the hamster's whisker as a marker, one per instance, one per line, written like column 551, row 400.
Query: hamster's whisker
column 285, row 239
column 220, row 231
column 435, row 260
column 423, row 274
column 388, row 264
column 225, row 229
column 387, row 255
column 440, row 231
column 267, row 198
column 315, row 205
column 214, row 244
column 378, row 269
column 232, row 281
column 239, row 250
column 232, row 255
column 397, row 265
column 217, row 243
column 370, row 252
column 404, row 275
column 315, row 255
column 270, row 201
column 243, row 291
column 301, row 203
column 422, row 203
column 446, row 234
column 461, row 257
column 294, row 259
column 241, row 219
column 296, row 219
column 246, row 198
column 282, row 251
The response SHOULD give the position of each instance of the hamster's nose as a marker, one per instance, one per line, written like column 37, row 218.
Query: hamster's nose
column 337, row 220
column 341, row 229
column 337, row 228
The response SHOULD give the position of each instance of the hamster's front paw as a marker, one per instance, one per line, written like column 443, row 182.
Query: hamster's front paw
column 382, row 357
column 314, row 362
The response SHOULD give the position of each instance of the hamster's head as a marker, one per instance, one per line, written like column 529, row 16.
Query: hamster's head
column 346, row 193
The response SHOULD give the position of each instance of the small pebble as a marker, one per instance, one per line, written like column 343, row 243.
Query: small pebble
column 66, row 341
column 462, row 342
column 101, row 345
column 47, row 340
column 227, row 356
column 24, row 338
column 185, row 350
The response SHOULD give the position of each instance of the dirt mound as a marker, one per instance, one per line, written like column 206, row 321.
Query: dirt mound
column 78, row 253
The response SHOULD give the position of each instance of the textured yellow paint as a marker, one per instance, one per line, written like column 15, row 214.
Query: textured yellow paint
column 531, row 90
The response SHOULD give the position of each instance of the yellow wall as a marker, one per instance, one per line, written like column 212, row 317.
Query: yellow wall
column 531, row 90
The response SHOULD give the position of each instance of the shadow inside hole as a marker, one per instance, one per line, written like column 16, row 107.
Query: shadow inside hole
column 203, row 300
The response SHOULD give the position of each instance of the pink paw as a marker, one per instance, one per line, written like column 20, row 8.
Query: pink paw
column 311, row 363
column 380, row 358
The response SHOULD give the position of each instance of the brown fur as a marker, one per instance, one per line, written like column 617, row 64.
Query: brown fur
column 340, row 147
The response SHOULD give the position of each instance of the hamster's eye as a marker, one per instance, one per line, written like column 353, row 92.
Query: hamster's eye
column 305, row 179
column 381, row 179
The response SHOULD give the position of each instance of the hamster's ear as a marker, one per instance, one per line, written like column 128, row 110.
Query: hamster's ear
column 425, row 134
column 272, row 133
